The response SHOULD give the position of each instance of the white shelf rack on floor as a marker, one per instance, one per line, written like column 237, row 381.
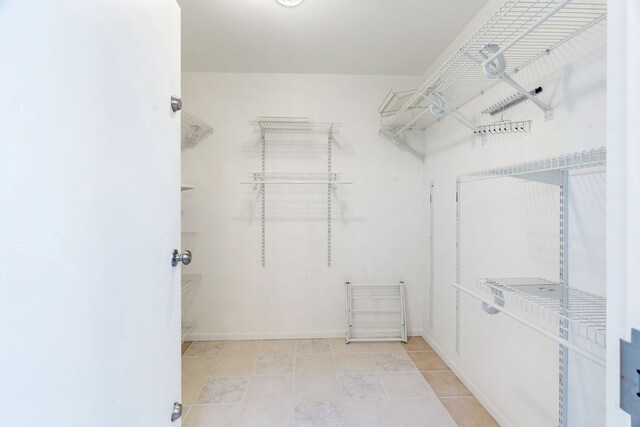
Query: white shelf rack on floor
column 375, row 312
column 517, row 34
column 549, row 307
column 190, row 282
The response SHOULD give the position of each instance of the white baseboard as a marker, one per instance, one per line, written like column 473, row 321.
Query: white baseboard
column 477, row 393
column 205, row 336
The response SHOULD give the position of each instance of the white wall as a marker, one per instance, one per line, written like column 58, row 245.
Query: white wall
column 510, row 228
column 378, row 228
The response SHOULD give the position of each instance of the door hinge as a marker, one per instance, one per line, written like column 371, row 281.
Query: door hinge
column 630, row 377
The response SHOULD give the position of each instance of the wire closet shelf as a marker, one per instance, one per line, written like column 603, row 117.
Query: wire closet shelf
column 580, row 316
column 578, row 160
column 289, row 124
column 292, row 178
column 520, row 32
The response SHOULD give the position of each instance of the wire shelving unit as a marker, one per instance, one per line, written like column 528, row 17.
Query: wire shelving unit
column 193, row 129
column 186, row 329
column 190, row 282
column 517, row 34
column 302, row 178
column 283, row 124
column 572, row 318
column 269, row 127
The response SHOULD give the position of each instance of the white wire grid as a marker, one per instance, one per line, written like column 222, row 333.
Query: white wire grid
column 186, row 329
column 281, row 124
column 578, row 160
column 190, row 282
column 193, row 129
column 583, row 315
column 258, row 178
column 188, row 236
column 460, row 80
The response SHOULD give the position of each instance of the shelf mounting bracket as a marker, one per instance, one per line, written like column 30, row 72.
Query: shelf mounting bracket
column 440, row 107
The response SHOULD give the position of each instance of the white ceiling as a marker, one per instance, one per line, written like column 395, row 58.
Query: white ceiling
column 320, row 36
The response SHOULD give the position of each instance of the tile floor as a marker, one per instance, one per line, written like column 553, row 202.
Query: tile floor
column 323, row 382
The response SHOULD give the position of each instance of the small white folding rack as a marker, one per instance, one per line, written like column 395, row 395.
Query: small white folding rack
column 375, row 312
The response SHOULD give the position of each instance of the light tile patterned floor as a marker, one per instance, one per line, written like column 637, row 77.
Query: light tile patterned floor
column 323, row 382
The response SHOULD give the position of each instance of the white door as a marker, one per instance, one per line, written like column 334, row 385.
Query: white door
column 89, row 212
column 623, row 193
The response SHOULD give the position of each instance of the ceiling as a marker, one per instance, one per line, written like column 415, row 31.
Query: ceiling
column 402, row 37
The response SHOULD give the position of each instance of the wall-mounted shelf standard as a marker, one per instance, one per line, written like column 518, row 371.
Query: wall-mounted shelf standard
column 517, row 34
column 275, row 125
column 193, row 129
column 578, row 317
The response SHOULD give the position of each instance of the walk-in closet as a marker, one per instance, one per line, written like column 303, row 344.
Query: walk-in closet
column 320, row 213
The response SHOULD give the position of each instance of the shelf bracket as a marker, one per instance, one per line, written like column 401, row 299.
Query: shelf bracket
column 495, row 66
column 439, row 107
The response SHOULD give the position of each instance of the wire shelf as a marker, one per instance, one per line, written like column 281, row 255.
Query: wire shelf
column 186, row 329
column 190, row 282
column 578, row 315
column 193, row 129
column 578, row 160
column 304, row 178
column 460, row 79
column 188, row 236
column 281, row 124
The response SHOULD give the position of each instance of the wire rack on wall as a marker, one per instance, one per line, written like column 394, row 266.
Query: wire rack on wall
column 517, row 34
column 536, row 168
column 282, row 124
column 274, row 125
column 581, row 316
column 193, row 129
column 292, row 178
